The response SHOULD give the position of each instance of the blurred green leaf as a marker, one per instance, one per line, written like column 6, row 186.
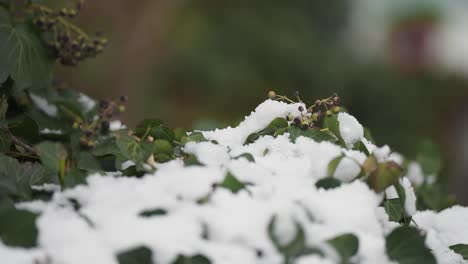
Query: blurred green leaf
column 292, row 249
column 394, row 209
column 17, row 227
column 139, row 255
column 232, row 183
column 328, row 183
column 196, row 259
column 461, row 249
column 247, row 156
column 154, row 128
column 405, row 245
column 195, row 137
column 51, row 155
column 24, row 57
column 333, row 164
column 275, row 125
column 315, row 134
column 346, row 245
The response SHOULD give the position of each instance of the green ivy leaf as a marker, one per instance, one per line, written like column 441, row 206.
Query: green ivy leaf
column 232, row 183
column 16, row 179
column 461, row 249
column 51, row 155
column 74, row 177
column 346, row 245
column 139, row 255
column 406, row 245
column 24, row 57
column 133, row 150
column 17, row 227
column 328, row 183
column 192, row 160
column 154, row 128
column 26, row 128
column 433, row 197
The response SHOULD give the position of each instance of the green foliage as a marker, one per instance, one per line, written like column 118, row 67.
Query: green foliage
column 294, row 248
column 346, row 245
column 271, row 129
column 139, row 255
column 406, row 245
column 17, row 227
column 328, row 183
column 196, row 259
column 461, row 249
column 232, row 183
column 24, row 58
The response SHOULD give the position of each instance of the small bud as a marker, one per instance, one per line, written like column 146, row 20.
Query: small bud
column 329, row 113
column 150, row 138
column 315, row 117
column 289, row 117
column 297, row 121
column 336, row 109
column 75, row 125
column 318, row 102
column 123, row 98
column 305, row 124
column 121, row 108
column 271, row 94
column 91, row 144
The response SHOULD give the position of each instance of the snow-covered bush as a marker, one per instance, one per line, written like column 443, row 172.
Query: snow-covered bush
column 292, row 183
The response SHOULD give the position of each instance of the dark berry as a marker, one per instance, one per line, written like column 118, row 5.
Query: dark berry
column 123, row 98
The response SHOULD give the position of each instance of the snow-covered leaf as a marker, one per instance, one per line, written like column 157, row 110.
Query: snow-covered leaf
column 461, row 249
column 406, row 245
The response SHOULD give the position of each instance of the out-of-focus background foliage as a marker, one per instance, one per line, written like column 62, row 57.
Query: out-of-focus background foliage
column 400, row 66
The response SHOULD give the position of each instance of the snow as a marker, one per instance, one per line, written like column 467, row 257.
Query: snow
column 230, row 228
column 51, row 131
column 44, row 105
column 350, row 129
column 87, row 103
column 410, row 196
column 415, row 173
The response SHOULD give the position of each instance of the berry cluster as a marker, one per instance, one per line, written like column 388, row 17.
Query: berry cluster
column 66, row 41
column 311, row 116
column 108, row 110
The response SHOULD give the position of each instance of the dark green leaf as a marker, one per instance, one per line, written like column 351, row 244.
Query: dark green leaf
column 86, row 161
column 406, row 245
column 5, row 141
column 331, row 122
column 74, row 177
column 24, row 57
column 17, row 227
column 134, row 150
column 196, row 259
column 275, row 125
column 16, row 179
column 154, row 128
column 232, row 183
column 192, row 160
column 247, row 156
column 195, row 137
column 346, row 245
column 315, row 134
column 139, row 255
column 461, row 249
column 153, row 212
column 51, row 155
column 328, row 183
column 163, row 146
column 394, row 209
column 292, row 249
column 25, row 128
column 433, row 197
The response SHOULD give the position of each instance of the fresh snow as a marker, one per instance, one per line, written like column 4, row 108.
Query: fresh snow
column 350, row 129
column 232, row 228
column 44, row 105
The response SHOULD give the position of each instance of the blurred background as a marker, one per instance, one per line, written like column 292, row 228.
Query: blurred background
column 400, row 66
